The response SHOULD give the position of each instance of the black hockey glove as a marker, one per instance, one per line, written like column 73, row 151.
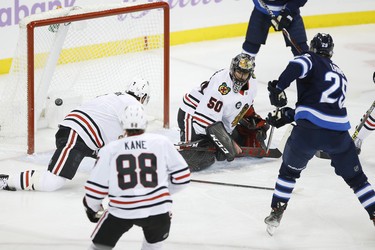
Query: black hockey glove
column 277, row 96
column 281, row 117
column 93, row 216
column 283, row 20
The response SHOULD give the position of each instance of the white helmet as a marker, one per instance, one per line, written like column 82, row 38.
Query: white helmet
column 134, row 117
column 140, row 89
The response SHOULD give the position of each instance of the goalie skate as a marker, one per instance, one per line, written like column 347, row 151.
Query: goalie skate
column 273, row 220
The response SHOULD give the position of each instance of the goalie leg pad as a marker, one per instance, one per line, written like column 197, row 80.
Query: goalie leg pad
column 198, row 160
column 218, row 135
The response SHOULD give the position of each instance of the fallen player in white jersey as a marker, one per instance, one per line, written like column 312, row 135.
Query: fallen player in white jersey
column 81, row 134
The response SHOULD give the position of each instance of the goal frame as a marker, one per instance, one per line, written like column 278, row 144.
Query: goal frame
column 80, row 17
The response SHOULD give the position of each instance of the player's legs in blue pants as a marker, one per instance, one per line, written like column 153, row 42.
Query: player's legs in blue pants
column 301, row 146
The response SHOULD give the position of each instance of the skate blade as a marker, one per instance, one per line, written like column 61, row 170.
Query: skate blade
column 270, row 230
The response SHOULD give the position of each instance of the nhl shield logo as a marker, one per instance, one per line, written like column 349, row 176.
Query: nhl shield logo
column 224, row 89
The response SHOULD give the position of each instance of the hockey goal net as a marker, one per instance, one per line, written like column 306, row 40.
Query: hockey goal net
column 78, row 53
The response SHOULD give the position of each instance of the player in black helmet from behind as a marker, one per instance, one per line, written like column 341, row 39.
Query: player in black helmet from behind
column 322, row 124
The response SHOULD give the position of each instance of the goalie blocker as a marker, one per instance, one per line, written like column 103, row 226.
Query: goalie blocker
column 223, row 141
column 218, row 139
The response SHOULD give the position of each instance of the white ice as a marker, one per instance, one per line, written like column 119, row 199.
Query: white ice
column 323, row 212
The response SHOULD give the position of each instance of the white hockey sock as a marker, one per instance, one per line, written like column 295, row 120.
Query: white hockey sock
column 36, row 180
column 368, row 127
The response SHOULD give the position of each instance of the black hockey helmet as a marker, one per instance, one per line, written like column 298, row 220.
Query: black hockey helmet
column 322, row 44
column 241, row 69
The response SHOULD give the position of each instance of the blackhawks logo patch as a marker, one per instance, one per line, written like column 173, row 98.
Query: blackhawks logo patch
column 224, row 89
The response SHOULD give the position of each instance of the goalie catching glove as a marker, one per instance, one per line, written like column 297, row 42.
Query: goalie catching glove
column 252, row 130
column 277, row 96
column 280, row 117
column 91, row 214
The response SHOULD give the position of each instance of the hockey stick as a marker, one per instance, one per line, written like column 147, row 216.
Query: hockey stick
column 231, row 184
column 271, row 134
column 285, row 32
column 294, row 44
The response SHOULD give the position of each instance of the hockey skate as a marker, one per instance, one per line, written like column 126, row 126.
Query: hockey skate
column 4, row 183
column 273, row 220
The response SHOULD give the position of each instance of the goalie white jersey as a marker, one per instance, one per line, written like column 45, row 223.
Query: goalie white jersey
column 220, row 103
column 98, row 121
column 138, row 173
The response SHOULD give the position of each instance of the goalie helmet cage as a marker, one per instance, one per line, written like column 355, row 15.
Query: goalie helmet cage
column 80, row 53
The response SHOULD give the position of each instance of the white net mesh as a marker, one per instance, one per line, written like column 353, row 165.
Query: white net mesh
column 80, row 60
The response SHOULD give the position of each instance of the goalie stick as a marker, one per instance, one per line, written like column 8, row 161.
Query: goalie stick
column 246, row 151
column 323, row 155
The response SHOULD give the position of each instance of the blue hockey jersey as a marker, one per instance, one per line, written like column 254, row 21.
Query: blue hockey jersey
column 321, row 87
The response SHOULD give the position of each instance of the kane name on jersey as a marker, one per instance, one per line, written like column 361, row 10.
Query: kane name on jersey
column 130, row 145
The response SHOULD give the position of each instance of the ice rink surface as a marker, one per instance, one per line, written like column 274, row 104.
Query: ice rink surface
column 323, row 212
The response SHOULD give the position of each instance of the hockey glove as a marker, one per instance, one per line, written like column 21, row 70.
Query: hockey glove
column 281, row 117
column 283, row 20
column 277, row 96
column 256, row 123
column 93, row 216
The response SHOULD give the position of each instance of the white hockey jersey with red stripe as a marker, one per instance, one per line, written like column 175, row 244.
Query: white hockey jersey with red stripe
column 98, row 121
column 138, row 174
column 220, row 103
column 190, row 101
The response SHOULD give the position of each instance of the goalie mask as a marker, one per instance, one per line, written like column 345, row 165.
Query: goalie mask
column 134, row 117
column 322, row 44
column 241, row 69
column 140, row 89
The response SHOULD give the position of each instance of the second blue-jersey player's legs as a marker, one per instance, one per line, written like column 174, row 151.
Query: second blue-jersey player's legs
column 297, row 32
column 258, row 28
column 257, row 32
column 301, row 147
column 295, row 157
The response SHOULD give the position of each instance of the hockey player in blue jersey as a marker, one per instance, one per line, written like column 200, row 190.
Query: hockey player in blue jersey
column 286, row 15
column 322, row 124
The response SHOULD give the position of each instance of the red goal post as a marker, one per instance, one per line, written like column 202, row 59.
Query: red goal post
column 79, row 53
